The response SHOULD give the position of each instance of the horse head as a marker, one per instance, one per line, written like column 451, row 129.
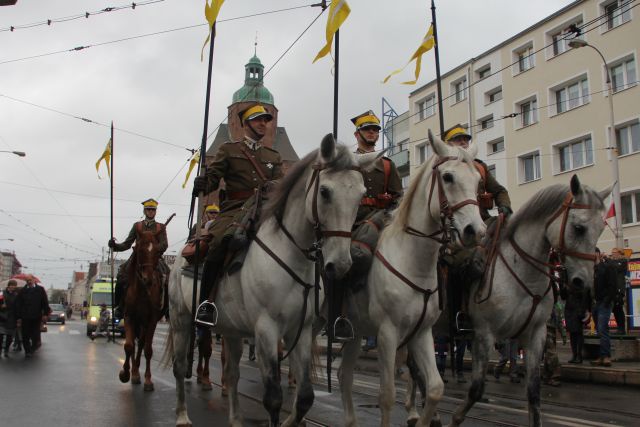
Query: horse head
column 457, row 180
column 574, row 230
column 334, row 191
column 146, row 256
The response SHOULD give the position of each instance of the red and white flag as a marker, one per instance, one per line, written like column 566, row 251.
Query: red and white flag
column 611, row 213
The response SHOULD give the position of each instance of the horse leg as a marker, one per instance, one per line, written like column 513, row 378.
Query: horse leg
column 299, row 367
column 415, row 382
column 148, row 354
column 135, row 368
column 181, row 338
column 233, row 352
column 205, row 349
column 223, row 364
column 532, row 360
column 423, row 353
column 267, row 349
column 129, row 348
column 350, row 352
column 480, row 352
column 387, row 344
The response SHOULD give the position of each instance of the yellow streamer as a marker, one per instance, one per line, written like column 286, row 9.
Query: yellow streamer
column 211, row 13
column 427, row 44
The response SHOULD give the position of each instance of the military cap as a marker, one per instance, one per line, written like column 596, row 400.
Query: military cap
column 368, row 118
column 457, row 130
column 212, row 208
column 150, row 204
column 254, row 112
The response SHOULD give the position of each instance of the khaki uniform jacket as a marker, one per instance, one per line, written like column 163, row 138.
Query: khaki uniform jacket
column 238, row 172
column 374, row 184
column 500, row 194
column 146, row 226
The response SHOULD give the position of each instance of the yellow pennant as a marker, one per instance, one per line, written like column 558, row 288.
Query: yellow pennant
column 195, row 159
column 106, row 156
column 211, row 13
column 338, row 12
column 427, row 44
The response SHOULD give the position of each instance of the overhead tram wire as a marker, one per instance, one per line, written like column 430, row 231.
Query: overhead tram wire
column 506, row 67
column 84, row 15
column 188, row 27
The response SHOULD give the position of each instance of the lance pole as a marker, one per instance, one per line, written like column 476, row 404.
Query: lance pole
column 202, row 166
column 111, row 252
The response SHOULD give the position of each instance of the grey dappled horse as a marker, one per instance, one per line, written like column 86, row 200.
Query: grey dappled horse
column 400, row 301
column 263, row 299
column 518, row 302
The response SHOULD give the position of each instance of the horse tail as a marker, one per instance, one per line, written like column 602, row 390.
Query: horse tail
column 167, row 356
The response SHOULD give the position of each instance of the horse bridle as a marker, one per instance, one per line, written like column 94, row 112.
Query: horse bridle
column 313, row 253
column 561, row 250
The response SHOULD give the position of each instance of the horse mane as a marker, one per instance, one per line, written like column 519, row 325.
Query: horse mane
column 545, row 203
column 277, row 198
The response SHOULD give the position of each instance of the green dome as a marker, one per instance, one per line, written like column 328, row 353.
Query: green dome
column 253, row 89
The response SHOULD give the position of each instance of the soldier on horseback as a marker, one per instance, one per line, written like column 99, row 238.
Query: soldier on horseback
column 383, row 188
column 246, row 166
column 147, row 224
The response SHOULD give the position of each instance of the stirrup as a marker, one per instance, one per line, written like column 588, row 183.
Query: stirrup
column 460, row 325
column 343, row 322
column 204, row 307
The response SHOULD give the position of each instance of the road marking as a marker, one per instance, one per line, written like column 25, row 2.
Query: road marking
column 74, row 332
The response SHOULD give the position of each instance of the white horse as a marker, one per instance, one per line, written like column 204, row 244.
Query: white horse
column 515, row 300
column 400, row 303
column 272, row 297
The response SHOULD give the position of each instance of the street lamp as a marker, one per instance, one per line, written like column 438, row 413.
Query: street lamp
column 612, row 145
column 11, row 240
column 17, row 153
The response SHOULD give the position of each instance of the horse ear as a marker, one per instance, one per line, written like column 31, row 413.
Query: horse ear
column 575, row 185
column 439, row 147
column 328, row 148
column 604, row 193
column 472, row 150
column 368, row 160
column 468, row 156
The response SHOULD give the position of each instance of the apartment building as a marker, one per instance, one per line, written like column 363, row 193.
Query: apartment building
column 539, row 108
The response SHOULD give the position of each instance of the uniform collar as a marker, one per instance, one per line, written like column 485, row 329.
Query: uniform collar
column 361, row 151
column 148, row 222
column 251, row 143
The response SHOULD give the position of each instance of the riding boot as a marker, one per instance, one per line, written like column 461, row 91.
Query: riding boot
column 119, row 291
column 207, row 312
column 579, row 345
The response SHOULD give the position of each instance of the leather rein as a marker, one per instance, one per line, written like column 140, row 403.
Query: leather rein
column 442, row 236
column 554, row 271
column 313, row 253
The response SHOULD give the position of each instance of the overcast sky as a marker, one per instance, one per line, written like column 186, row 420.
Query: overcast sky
column 52, row 203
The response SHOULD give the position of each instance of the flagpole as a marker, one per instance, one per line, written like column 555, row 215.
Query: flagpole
column 438, row 78
column 202, row 166
column 111, row 252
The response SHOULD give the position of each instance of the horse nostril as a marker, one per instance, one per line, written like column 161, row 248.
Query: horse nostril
column 577, row 283
column 469, row 230
column 330, row 271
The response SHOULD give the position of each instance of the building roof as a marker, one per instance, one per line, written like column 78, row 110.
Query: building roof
column 253, row 89
column 282, row 144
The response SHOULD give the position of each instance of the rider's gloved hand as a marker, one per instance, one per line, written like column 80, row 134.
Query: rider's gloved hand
column 199, row 185
column 505, row 210
column 112, row 243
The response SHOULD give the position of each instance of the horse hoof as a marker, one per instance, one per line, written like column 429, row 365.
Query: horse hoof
column 135, row 380
column 411, row 422
column 124, row 376
column 148, row 387
column 206, row 386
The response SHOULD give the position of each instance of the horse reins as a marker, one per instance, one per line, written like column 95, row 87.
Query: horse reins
column 313, row 253
column 441, row 236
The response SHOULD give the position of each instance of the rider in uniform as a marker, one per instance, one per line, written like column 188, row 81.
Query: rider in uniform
column 383, row 188
column 245, row 166
column 147, row 224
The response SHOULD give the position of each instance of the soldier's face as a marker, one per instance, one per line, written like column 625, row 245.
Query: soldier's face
column 149, row 213
column 259, row 126
column 460, row 141
column 369, row 134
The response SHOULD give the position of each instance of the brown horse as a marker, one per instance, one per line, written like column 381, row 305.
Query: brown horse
column 143, row 307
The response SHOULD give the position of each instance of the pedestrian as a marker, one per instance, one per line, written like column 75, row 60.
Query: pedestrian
column 619, row 264
column 246, row 166
column 461, row 345
column 7, row 316
column 508, row 350
column 576, row 312
column 32, row 309
column 551, row 366
column 604, row 293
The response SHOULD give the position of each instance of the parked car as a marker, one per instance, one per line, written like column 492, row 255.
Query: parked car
column 57, row 314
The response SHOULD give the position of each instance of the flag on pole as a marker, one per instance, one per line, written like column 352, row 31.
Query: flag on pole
column 427, row 44
column 611, row 213
column 106, row 156
column 195, row 159
column 338, row 12
column 211, row 13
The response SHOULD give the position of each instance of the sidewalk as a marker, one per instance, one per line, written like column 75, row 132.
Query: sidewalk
column 621, row 373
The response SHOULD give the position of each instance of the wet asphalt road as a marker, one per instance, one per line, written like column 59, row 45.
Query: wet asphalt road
column 73, row 381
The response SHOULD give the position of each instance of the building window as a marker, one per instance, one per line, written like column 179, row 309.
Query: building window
column 459, row 90
column 494, row 95
column 423, row 153
column 405, row 182
column 528, row 112
column 492, row 170
column 623, row 74
column 616, row 12
column 496, row 146
column 572, row 95
column 486, row 122
column 427, row 107
column 524, row 58
column 575, row 154
column 484, row 72
column 630, row 209
column 560, row 38
column 530, row 167
column 628, row 139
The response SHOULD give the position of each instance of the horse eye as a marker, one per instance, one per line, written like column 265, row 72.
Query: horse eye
column 448, row 177
column 325, row 193
column 579, row 229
